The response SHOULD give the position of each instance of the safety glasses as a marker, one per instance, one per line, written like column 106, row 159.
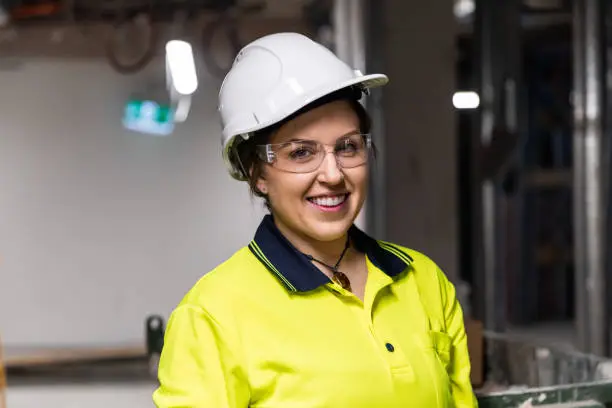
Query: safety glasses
column 305, row 156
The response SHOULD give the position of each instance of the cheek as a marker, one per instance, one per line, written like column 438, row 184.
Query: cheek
column 358, row 178
column 288, row 187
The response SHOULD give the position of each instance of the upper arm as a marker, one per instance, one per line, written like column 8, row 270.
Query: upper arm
column 199, row 366
column 459, row 369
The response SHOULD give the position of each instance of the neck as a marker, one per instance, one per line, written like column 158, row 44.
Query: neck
column 326, row 251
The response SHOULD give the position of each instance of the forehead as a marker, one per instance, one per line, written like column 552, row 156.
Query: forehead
column 324, row 124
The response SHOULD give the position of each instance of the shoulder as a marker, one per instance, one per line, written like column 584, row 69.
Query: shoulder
column 425, row 270
column 418, row 260
column 223, row 279
column 436, row 291
column 231, row 285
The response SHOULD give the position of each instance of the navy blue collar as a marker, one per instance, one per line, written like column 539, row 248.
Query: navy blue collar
column 296, row 271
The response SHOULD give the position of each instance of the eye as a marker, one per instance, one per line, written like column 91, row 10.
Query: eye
column 348, row 146
column 301, row 152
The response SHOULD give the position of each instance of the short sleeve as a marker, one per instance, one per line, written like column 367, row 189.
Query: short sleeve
column 199, row 367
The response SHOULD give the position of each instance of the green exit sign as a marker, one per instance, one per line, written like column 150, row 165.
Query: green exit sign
column 148, row 117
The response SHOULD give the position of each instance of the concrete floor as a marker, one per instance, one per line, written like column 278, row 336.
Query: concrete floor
column 118, row 384
column 81, row 396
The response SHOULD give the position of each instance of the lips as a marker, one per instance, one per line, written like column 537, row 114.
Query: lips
column 329, row 200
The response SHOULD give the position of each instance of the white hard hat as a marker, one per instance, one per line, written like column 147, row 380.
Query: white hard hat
column 272, row 78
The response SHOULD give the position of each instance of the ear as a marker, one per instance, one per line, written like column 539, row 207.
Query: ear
column 262, row 185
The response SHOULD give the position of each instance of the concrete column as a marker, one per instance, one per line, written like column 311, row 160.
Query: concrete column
column 414, row 193
column 349, row 37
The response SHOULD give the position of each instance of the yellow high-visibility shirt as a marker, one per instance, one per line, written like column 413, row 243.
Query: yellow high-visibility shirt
column 267, row 329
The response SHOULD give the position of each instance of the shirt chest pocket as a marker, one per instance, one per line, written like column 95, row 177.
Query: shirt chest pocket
column 437, row 344
column 441, row 343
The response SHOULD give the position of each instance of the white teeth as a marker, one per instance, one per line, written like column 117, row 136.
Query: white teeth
column 329, row 201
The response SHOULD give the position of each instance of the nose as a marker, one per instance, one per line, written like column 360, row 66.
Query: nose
column 330, row 171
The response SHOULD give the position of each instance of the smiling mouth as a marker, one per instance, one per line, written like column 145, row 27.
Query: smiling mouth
column 329, row 201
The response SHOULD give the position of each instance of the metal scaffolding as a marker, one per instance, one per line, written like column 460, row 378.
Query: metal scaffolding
column 495, row 149
column 588, row 177
column 504, row 254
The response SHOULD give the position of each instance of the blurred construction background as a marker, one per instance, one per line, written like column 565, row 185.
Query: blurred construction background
column 495, row 147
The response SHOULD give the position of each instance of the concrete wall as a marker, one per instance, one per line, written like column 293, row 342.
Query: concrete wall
column 414, row 43
column 100, row 226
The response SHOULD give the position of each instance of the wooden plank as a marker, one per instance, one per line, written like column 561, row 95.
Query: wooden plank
column 2, row 379
column 31, row 357
column 548, row 178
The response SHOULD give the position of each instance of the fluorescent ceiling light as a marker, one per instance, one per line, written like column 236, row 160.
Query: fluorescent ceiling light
column 181, row 67
column 464, row 8
column 466, row 100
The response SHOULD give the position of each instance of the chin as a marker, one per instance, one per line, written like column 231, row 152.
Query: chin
column 326, row 231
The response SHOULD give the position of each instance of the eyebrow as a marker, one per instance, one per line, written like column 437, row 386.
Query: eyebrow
column 298, row 140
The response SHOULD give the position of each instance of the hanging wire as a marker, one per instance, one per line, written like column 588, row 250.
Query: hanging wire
column 142, row 24
column 227, row 24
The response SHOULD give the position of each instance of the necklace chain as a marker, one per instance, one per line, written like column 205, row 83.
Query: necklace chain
column 339, row 277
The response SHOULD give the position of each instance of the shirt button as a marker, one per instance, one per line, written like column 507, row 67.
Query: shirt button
column 390, row 347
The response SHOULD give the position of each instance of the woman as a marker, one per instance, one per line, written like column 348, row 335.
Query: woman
column 314, row 312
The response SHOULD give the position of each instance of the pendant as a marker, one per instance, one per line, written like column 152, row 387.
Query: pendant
column 342, row 280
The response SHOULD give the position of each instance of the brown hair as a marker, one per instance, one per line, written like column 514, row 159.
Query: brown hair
column 245, row 153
